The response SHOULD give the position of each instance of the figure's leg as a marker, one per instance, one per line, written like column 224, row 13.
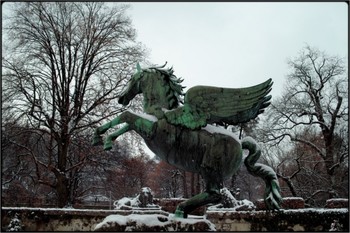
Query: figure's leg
column 199, row 200
column 113, row 136
column 211, row 195
column 102, row 129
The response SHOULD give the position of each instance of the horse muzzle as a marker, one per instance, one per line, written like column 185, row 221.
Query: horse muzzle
column 122, row 100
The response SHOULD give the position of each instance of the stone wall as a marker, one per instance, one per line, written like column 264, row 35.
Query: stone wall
column 170, row 204
column 52, row 219
column 293, row 217
column 283, row 220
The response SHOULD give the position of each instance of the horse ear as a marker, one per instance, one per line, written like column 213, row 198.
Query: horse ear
column 138, row 67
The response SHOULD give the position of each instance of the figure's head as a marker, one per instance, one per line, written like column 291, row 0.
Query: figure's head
column 144, row 79
column 133, row 87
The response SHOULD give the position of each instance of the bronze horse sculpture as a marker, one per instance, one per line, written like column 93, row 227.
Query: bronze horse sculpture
column 183, row 134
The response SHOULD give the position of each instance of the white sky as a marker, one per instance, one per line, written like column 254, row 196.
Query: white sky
column 237, row 44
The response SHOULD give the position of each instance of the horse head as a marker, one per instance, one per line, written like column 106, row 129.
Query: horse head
column 162, row 88
column 133, row 87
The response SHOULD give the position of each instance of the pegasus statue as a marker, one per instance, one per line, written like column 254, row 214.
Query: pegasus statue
column 179, row 128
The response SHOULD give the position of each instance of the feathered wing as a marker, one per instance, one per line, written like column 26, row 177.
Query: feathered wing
column 206, row 105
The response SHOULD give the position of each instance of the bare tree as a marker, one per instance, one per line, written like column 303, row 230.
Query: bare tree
column 314, row 101
column 67, row 65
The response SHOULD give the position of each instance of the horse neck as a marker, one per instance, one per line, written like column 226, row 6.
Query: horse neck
column 155, row 94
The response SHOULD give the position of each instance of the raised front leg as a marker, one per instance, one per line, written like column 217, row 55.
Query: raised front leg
column 113, row 136
column 97, row 140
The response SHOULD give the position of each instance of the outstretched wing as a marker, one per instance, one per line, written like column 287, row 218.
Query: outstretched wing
column 205, row 105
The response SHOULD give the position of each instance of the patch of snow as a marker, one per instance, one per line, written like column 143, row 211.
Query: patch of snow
column 291, row 198
column 230, row 203
column 337, row 199
column 250, row 140
column 145, row 116
column 246, row 204
column 227, row 193
column 175, row 198
column 316, row 210
column 96, row 197
column 219, row 130
column 148, row 220
column 125, row 201
column 146, row 191
column 336, row 226
column 53, row 209
column 285, row 211
column 15, row 224
column 167, row 110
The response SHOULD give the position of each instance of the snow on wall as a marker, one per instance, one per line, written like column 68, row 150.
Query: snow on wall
column 137, row 222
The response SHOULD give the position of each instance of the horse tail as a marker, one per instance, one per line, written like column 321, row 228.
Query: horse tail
column 272, row 196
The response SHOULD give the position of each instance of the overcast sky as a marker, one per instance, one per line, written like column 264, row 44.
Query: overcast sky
column 237, row 44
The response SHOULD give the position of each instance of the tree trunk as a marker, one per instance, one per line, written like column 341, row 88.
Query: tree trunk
column 289, row 184
column 184, row 184
column 62, row 185
column 192, row 185
column 62, row 191
column 198, row 185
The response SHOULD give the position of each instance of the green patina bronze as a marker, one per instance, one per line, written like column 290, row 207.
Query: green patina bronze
column 181, row 133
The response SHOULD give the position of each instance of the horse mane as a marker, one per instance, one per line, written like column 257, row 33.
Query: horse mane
column 175, row 96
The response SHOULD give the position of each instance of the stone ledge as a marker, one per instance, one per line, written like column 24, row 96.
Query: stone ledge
column 51, row 219
column 56, row 219
column 337, row 203
column 85, row 212
column 287, row 203
column 283, row 220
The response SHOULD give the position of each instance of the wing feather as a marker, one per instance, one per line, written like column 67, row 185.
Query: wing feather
column 206, row 104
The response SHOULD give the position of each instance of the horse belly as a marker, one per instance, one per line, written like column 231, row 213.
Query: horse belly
column 193, row 150
column 178, row 146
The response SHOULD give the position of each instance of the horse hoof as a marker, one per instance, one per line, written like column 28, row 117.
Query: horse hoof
column 180, row 214
column 107, row 146
column 97, row 141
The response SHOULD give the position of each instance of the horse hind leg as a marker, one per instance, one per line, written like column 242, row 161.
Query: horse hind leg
column 211, row 195
column 193, row 203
